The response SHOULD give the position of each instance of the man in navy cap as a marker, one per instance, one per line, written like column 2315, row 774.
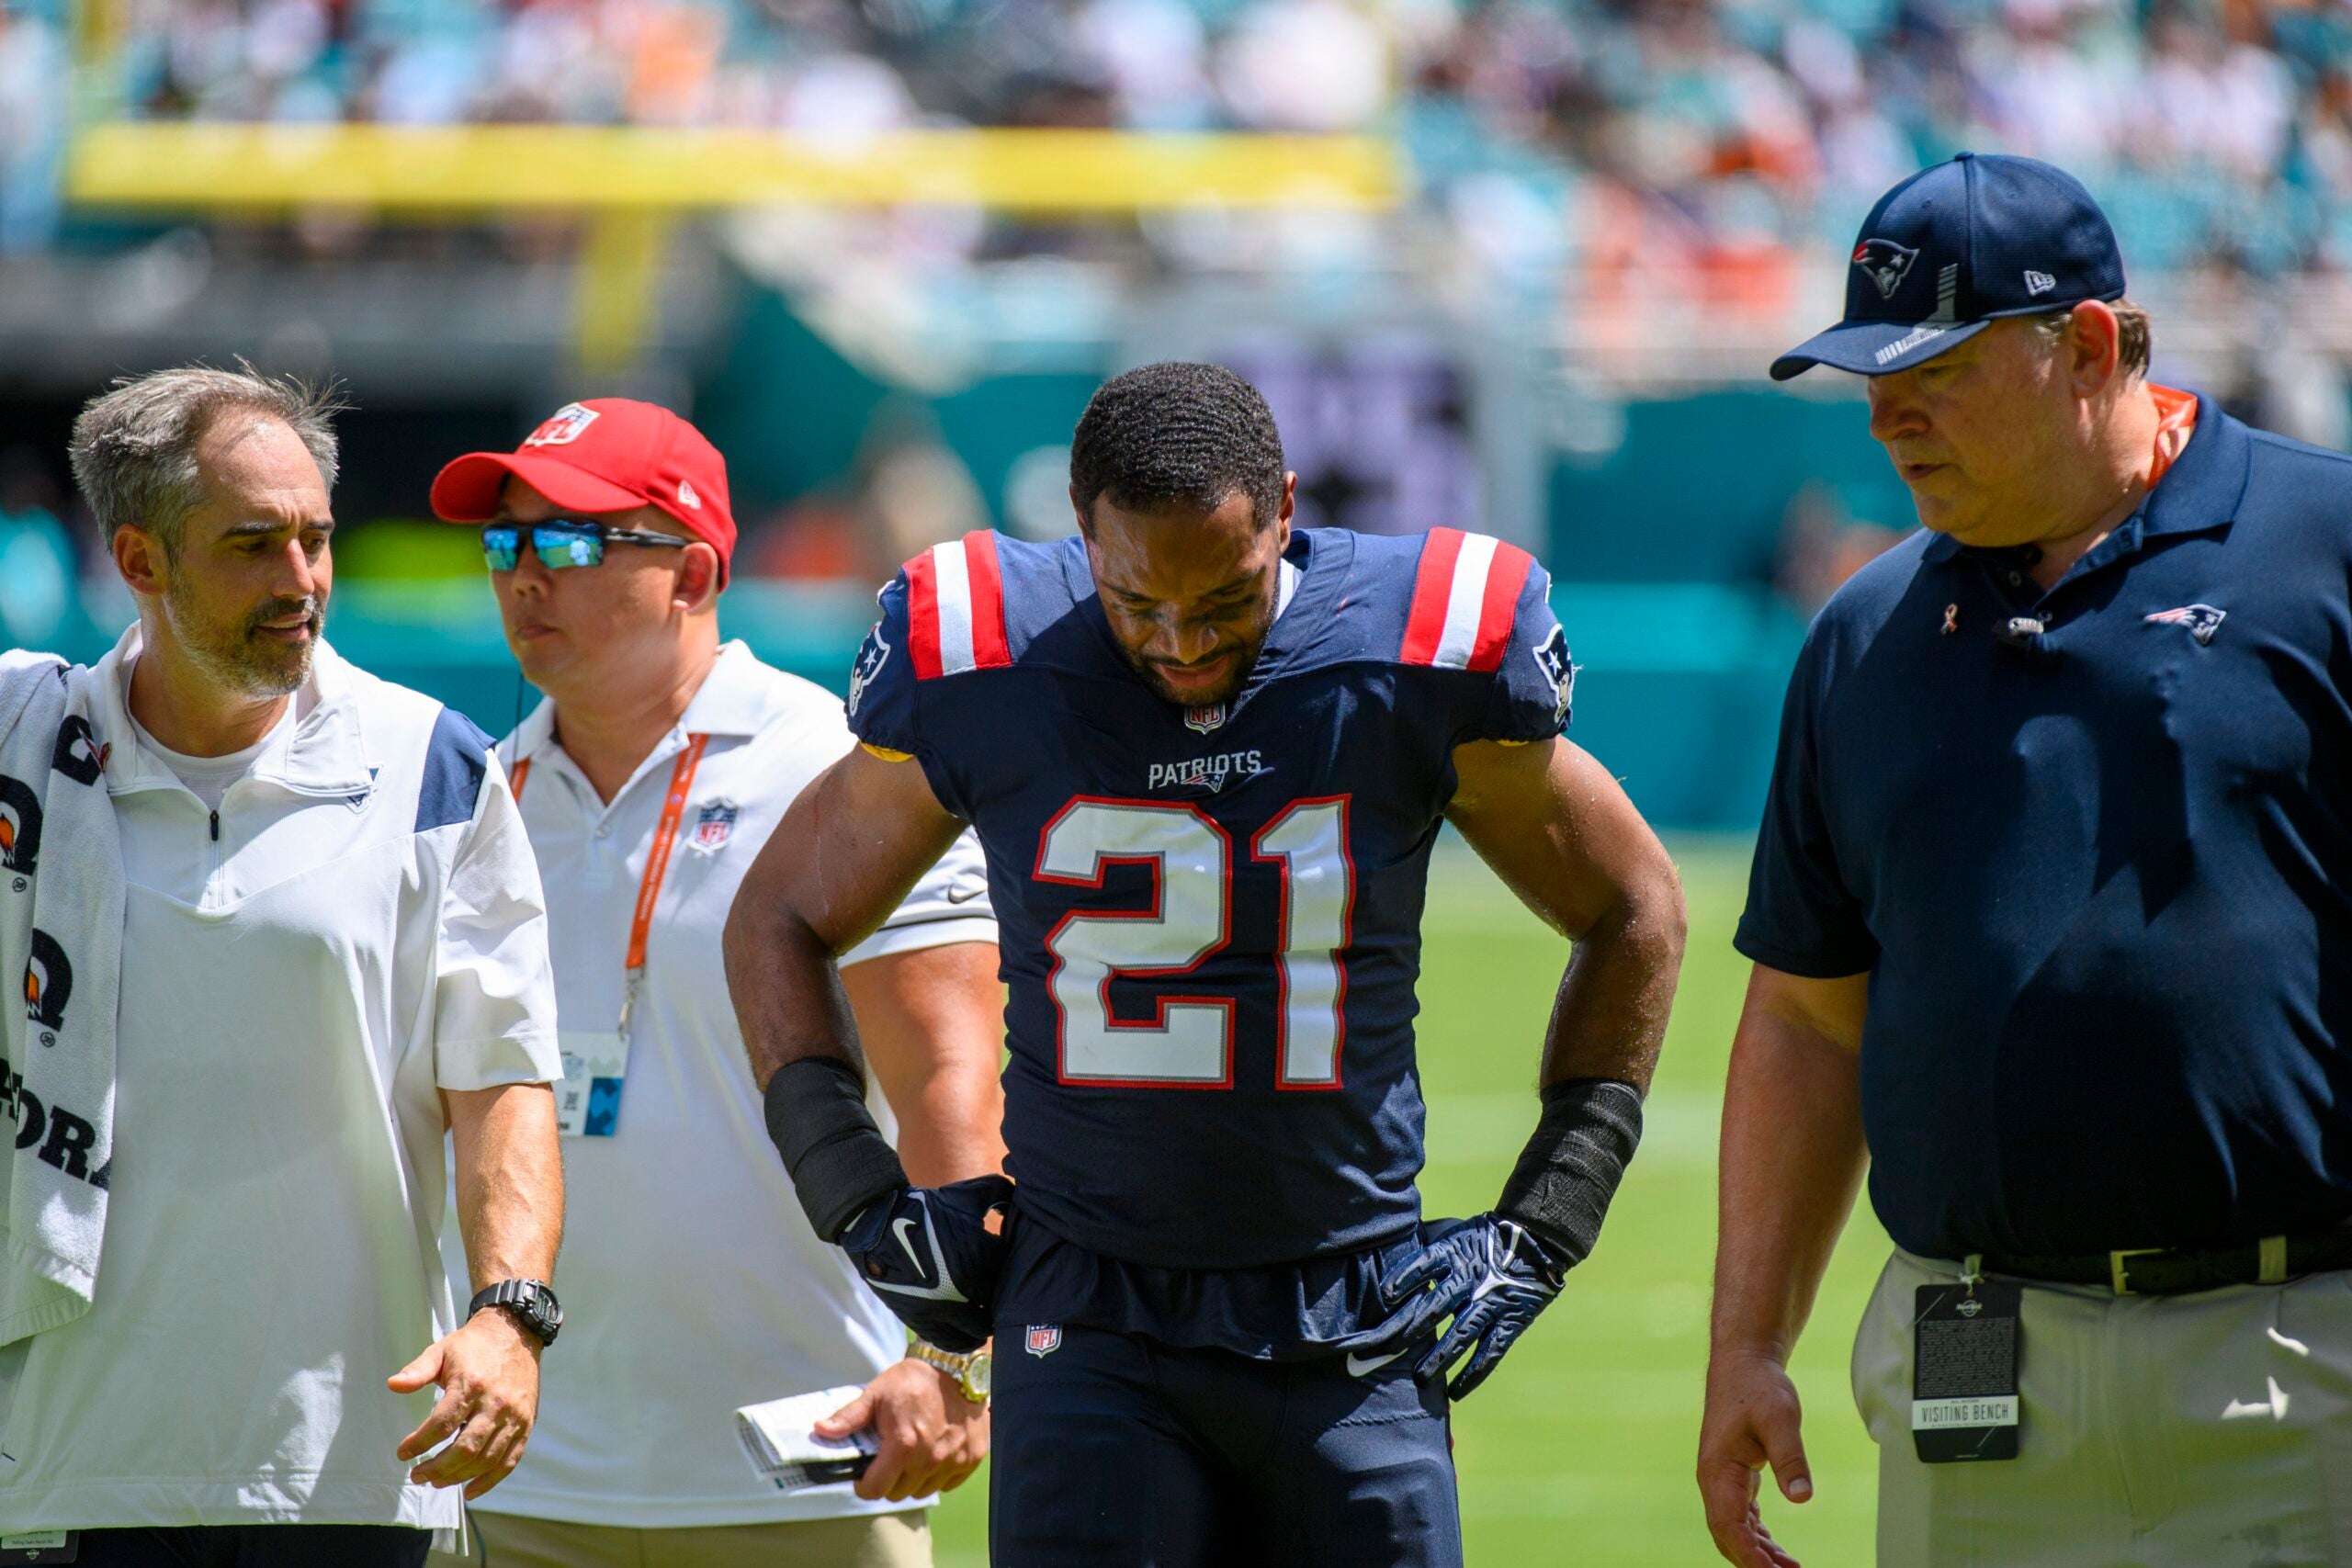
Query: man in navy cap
column 2051, row 924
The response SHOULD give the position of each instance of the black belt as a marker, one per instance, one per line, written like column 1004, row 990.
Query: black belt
column 2166, row 1272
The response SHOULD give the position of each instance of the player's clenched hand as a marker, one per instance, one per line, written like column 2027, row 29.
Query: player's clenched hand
column 930, row 1436
column 489, row 1374
column 1489, row 1275
column 1752, row 1418
column 928, row 1252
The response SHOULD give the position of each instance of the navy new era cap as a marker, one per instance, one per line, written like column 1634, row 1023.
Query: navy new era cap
column 1956, row 247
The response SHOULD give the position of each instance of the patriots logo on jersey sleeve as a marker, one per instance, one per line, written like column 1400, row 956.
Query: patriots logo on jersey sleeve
column 1551, row 657
column 871, row 655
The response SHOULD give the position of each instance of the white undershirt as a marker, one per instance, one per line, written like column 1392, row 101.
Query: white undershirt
column 208, row 778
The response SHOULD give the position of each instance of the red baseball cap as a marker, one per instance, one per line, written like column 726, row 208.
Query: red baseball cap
column 605, row 455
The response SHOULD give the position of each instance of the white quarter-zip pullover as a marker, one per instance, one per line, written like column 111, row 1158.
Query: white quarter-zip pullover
column 357, row 926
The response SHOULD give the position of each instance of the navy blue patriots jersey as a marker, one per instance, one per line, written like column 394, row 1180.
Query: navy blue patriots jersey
column 1211, row 917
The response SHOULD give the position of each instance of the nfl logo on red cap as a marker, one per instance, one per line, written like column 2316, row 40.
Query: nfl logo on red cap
column 562, row 427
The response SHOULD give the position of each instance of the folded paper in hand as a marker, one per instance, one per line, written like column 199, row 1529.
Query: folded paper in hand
column 780, row 1439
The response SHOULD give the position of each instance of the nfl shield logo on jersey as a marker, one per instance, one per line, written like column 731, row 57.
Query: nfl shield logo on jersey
column 1203, row 719
column 1045, row 1339
column 716, row 824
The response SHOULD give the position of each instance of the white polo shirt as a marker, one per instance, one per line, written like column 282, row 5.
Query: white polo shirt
column 691, row 1282
column 359, row 928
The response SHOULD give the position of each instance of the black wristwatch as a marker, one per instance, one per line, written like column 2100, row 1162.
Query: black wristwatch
column 533, row 1304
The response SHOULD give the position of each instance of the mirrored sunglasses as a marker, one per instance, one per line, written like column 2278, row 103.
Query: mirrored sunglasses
column 561, row 542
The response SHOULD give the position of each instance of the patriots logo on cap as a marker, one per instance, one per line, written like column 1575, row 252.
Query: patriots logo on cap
column 1885, row 263
column 562, row 427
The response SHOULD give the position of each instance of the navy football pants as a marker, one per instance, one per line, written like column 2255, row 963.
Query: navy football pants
column 1114, row 1452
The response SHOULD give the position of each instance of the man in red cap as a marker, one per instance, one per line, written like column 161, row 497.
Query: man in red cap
column 649, row 780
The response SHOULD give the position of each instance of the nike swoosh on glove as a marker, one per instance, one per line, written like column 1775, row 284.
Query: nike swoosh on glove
column 1487, row 1274
column 927, row 1252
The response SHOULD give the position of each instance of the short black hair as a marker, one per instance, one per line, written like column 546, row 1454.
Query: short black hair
column 1177, row 432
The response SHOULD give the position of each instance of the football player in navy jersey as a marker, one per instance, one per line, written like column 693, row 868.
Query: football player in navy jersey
column 1207, row 757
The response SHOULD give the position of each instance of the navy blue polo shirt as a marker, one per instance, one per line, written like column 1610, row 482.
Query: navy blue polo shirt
column 2102, row 881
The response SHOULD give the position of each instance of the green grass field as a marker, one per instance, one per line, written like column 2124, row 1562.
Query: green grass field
column 1580, row 1451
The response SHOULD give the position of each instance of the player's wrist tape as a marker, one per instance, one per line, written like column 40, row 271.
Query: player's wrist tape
column 1560, row 1189
column 839, row 1159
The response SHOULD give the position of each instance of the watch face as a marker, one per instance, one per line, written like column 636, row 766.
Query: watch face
column 980, row 1376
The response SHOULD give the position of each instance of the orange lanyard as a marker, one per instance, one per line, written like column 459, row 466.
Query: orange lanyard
column 514, row 780
column 657, row 862
column 2175, row 415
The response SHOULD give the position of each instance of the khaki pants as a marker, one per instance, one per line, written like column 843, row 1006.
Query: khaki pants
column 511, row 1541
column 2211, row 1430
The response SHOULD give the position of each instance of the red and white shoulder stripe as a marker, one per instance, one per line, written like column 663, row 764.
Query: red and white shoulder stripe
column 1464, row 596
column 955, row 608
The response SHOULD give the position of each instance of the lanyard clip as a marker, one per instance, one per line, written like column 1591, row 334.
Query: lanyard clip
column 629, row 1001
column 1972, row 1270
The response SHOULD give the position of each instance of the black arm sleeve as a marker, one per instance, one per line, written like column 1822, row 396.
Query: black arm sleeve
column 839, row 1161
column 1565, row 1177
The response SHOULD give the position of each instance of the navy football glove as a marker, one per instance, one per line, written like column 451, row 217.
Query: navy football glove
column 928, row 1253
column 1487, row 1274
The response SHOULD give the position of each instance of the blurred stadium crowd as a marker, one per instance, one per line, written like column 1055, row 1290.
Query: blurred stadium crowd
column 1614, row 206
column 1743, row 127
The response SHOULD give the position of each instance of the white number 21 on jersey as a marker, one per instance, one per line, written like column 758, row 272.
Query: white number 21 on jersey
column 1189, row 1045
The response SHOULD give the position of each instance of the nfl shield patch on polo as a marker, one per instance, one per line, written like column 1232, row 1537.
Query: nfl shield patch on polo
column 1045, row 1339
column 715, row 824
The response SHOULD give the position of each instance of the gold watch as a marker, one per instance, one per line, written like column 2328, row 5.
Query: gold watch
column 970, row 1371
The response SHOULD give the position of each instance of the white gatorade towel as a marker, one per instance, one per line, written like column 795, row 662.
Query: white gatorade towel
column 60, row 932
